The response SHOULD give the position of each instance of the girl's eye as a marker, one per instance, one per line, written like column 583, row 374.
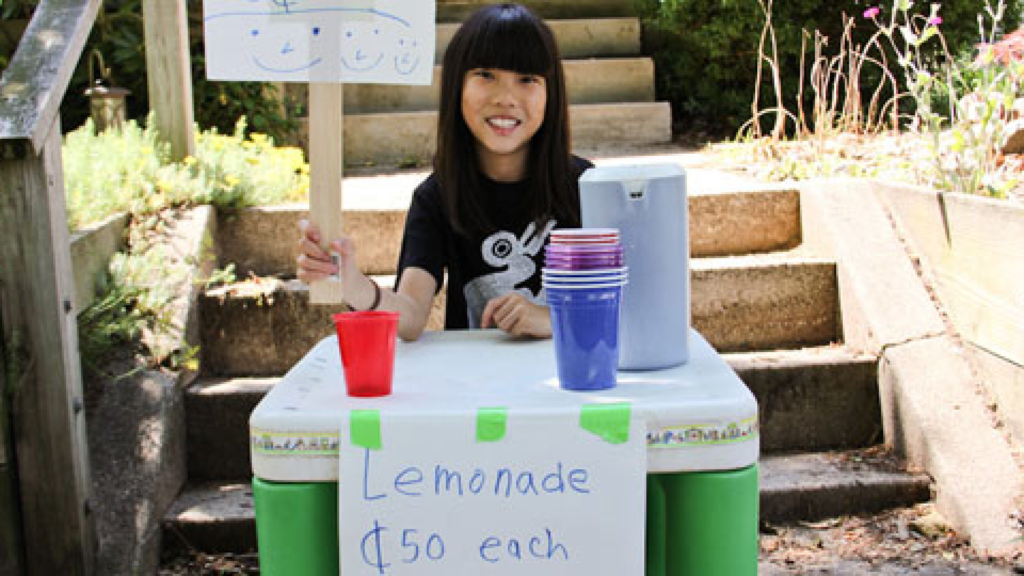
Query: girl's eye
column 483, row 74
column 529, row 79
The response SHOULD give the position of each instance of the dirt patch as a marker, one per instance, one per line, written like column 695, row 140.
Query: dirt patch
column 911, row 538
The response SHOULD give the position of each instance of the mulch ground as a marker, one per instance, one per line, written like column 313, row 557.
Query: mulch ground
column 911, row 538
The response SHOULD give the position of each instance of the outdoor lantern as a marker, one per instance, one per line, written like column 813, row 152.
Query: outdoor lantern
column 106, row 102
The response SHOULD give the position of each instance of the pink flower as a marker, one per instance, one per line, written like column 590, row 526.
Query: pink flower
column 935, row 20
column 872, row 12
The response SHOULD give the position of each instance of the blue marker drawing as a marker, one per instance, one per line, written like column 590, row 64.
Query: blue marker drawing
column 280, row 53
column 407, row 60
column 385, row 41
column 357, row 52
column 299, row 68
column 286, row 4
column 288, row 10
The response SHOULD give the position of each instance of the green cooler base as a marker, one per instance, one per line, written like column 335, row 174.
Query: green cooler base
column 698, row 524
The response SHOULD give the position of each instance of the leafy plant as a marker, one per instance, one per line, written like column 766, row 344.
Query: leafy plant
column 957, row 109
column 967, row 126
column 706, row 53
column 127, row 308
column 128, row 170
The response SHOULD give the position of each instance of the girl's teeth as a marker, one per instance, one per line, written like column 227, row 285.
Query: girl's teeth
column 503, row 122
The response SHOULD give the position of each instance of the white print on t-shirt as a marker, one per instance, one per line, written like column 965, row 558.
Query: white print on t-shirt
column 503, row 250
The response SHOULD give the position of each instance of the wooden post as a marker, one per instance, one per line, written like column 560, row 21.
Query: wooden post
column 169, row 73
column 326, row 162
column 11, row 546
column 40, row 336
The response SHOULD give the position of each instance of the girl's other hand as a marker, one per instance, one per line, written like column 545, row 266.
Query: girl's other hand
column 516, row 315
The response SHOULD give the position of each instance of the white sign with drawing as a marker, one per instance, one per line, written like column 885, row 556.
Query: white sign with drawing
column 547, row 498
column 358, row 41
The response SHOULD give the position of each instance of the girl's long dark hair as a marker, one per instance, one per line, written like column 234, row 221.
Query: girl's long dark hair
column 505, row 37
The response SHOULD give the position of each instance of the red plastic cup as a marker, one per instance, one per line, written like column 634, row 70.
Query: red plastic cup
column 366, row 341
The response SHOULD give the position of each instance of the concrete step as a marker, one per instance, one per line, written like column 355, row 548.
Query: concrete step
column 764, row 302
column 721, row 224
column 813, row 486
column 219, row 517
column 261, row 328
column 408, row 138
column 811, row 399
column 576, row 38
column 591, row 81
column 457, row 10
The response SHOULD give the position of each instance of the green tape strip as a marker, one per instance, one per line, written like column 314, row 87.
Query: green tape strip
column 364, row 427
column 490, row 424
column 608, row 421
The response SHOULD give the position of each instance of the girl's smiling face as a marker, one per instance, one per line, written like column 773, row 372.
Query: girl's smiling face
column 503, row 111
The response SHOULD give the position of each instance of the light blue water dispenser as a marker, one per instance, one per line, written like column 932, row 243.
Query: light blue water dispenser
column 647, row 203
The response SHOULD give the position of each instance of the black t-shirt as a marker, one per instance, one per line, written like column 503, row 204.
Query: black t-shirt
column 483, row 267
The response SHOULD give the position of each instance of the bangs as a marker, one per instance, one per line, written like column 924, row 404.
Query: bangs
column 513, row 42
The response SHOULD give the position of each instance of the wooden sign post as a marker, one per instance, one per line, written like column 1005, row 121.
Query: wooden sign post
column 326, row 161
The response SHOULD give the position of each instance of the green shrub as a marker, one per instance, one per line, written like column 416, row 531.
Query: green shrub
column 128, row 171
column 706, row 53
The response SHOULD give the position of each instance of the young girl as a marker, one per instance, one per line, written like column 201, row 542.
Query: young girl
column 503, row 179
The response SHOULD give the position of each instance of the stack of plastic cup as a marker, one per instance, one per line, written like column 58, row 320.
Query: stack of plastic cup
column 583, row 277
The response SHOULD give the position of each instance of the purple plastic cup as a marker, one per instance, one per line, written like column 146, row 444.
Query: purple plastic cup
column 580, row 250
column 585, row 331
column 583, row 264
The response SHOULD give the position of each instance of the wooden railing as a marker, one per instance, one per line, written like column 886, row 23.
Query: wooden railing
column 44, row 465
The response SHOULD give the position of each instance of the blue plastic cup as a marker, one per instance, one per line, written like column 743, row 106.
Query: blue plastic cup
column 585, row 330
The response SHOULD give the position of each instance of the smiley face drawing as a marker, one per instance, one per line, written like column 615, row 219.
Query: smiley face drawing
column 360, row 51
column 407, row 56
column 286, row 50
column 278, row 46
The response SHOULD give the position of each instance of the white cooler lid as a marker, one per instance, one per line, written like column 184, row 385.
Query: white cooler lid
column 632, row 172
column 700, row 416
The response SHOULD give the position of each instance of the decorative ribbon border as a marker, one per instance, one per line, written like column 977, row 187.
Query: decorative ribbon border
column 294, row 443
column 692, row 435
column 325, row 444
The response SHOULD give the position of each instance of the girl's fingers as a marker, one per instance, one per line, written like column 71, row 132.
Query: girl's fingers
column 307, row 264
column 309, row 230
column 312, row 250
column 508, row 314
column 488, row 317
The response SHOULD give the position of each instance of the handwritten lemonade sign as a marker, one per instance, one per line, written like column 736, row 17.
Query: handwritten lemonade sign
column 369, row 41
column 496, row 493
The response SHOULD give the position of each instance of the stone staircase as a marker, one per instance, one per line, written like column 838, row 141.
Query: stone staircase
column 610, row 86
column 758, row 294
column 762, row 297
